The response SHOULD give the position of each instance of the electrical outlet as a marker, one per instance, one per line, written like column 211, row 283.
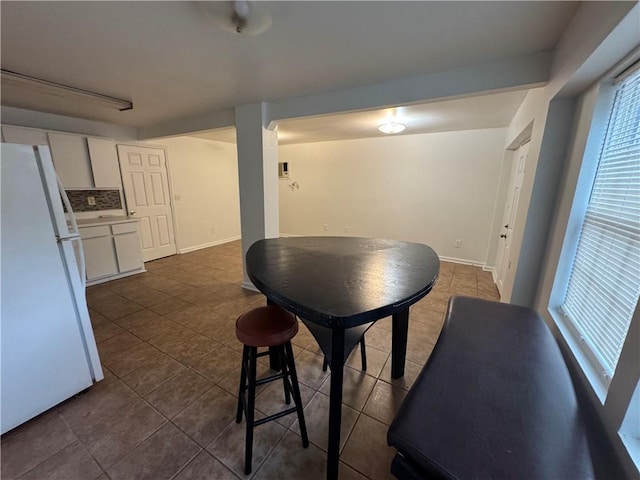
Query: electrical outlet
column 213, row 230
column 325, row 227
column 346, row 229
column 91, row 201
column 458, row 243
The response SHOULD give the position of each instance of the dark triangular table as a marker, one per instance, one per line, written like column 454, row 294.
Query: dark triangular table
column 339, row 286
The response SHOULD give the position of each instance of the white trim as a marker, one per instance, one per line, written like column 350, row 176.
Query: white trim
column 172, row 205
column 209, row 244
column 462, row 261
column 494, row 273
column 247, row 285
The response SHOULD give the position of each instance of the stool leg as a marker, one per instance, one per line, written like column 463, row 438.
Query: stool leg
column 325, row 364
column 250, row 410
column 285, row 370
column 363, row 354
column 243, row 383
column 296, row 394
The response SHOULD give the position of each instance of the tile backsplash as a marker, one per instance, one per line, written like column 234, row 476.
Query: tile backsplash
column 104, row 200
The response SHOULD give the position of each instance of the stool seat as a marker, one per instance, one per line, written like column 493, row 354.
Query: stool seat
column 266, row 326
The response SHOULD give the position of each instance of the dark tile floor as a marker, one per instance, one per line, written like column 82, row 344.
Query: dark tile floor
column 171, row 361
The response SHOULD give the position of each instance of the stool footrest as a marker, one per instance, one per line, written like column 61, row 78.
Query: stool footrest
column 275, row 416
column 270, row 378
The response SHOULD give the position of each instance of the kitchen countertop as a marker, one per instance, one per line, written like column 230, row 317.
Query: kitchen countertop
column 106, row 220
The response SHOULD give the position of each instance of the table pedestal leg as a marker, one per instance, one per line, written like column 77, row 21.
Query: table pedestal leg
column 335, row 403
column 400, row 327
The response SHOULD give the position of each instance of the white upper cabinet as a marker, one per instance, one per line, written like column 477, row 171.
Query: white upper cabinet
column 71, row 160
column 26, row 136
column 81, row 162
column 104, row 163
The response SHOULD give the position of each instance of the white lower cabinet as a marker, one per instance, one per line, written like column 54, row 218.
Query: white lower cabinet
column 128, row 252
column 111, row 251
column 99, row 257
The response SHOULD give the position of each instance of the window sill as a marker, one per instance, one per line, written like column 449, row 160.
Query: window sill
column 632, row 444
column 577, row 349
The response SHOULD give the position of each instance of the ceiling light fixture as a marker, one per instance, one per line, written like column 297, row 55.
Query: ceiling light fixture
column 64, row 91
column 391, row 126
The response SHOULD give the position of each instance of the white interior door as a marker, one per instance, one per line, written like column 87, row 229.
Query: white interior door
column 146, row 189
column 503, row 257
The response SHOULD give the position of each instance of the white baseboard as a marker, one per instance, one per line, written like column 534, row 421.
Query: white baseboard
column 247, row 285
column 494, row 274
column 207, row 245
column 461, row 261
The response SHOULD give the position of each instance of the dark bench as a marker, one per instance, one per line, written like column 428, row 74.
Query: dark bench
column 494, row 401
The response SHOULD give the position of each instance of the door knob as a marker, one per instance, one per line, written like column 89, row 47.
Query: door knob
column 132, row 212
column 504, row 235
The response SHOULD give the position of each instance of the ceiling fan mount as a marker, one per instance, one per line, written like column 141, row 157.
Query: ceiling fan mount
column 239, row 17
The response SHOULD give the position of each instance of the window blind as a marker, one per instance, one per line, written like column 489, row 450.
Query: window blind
column 604, row 284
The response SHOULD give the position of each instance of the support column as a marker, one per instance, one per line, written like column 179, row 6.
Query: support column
column 258, row 177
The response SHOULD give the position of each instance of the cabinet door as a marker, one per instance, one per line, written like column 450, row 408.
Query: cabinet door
column 26, row 136
column 99, row 257
column 71, row 159
column 128, row 252
column 104, row 163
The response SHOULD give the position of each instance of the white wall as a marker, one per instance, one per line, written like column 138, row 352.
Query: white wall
column 551, row 185
column 430, row 188
column 204, row 181
column 588, row 46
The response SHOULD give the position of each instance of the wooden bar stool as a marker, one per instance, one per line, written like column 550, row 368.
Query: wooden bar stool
column 270, row 326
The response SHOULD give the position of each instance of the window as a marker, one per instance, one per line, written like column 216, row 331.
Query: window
column 604, row 283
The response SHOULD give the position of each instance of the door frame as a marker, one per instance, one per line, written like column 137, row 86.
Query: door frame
column 502, row 196
column 511, row 202
column 174, row 219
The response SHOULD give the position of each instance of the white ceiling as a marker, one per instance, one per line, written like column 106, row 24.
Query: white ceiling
column 486, row 111
column 173, row 62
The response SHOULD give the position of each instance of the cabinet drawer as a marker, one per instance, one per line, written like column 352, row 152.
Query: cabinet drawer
column 92, row 232
column 124, row 228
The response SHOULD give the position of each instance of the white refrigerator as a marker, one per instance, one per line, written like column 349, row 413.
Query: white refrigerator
column 48, row 351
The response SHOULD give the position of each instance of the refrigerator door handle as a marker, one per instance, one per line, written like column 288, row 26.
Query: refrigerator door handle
column 67, row 205
column 81, row 265
column 75, row 232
